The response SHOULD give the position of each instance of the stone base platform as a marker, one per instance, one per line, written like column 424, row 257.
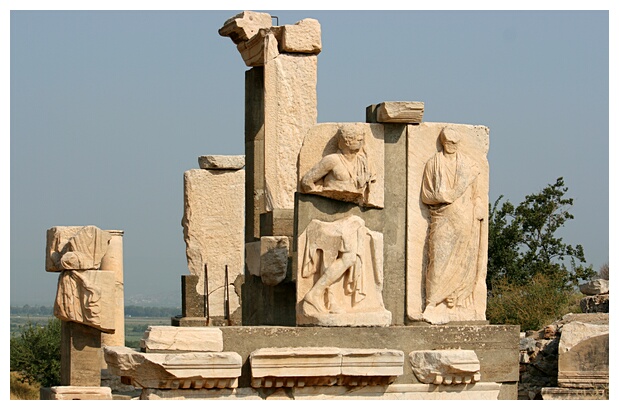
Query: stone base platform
column 473, row 361
column 496, row 346
column 478, row 391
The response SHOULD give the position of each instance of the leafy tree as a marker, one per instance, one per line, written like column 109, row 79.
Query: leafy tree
column 523, row 241
column 528, row 281
column 35, row 354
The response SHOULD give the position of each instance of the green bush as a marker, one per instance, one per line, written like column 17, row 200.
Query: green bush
column 35, row 353
column 532, row 305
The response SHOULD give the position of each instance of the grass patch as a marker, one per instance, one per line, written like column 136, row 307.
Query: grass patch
column 23, row 391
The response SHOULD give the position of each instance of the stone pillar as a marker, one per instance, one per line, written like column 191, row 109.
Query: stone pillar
column 280, row 107
column 213, row 227
column 113, row 261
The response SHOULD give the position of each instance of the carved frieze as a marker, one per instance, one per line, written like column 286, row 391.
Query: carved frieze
column 340, row 274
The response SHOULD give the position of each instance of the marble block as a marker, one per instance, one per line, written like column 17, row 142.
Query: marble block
column 182, row 339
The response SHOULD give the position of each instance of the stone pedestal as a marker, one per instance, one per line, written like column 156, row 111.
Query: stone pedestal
column 80, row 355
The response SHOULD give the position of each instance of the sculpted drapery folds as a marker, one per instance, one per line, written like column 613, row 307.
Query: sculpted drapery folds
column 78, row 297
column 341, row 268
column 456, row 211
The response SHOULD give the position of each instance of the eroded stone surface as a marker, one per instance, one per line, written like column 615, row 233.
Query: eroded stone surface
column 595, row 304
column 302, row 37
column 224, row 162
column 478, row 391
column 447, row 220
column 260, row 49
column 76, row 393
column 404, row 112
column 213, row 228
column 195, row 370
column 245, row 25
column 290, row 110
column 446, row 366
column 595, row 287
column 340, row 277
column 344, row 162
column 584, row 355
column 182, row 339
column 274, row 252
column 324, row 366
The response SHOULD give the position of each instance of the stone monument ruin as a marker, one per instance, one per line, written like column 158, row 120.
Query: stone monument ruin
column 340, row 260
column 90, row 304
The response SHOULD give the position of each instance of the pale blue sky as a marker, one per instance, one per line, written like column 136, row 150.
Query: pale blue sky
column 109, row 108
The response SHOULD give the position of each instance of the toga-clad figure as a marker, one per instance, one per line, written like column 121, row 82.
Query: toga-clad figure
column 456, row 211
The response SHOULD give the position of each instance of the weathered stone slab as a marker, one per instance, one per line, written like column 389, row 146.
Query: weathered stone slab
column 301, row 37
column 595, row 287
column 595, row 304
column 222, row 162
column 384, row 363
column 290, row 110
column 252, row 258
column 453, row 291
column 245, row 25
column 181, row 339
column 213, row 227
column 202, row 370
column 274, row 252
column 268, row 259
column 246, row 393
column 80, row 355
column 478, row 391
column 446, row 366
column 332, row 167
column 495, row 346
column 295, row 362
column 584, row 355
column 76, row 393
column 405, row 112
column 324, row 366
column 564, row 393
column 278, row 222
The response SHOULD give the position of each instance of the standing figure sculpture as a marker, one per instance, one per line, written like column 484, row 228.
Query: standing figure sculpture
column 345, row 175
column 449, row 189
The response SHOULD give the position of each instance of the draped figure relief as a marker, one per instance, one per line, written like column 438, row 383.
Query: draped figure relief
column 341, row 274
column 82, row 287
column 449, row 189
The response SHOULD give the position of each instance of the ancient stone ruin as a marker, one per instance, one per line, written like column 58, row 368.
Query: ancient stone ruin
column 340, row 260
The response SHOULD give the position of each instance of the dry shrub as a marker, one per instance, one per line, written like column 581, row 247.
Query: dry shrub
column 23, row 391
column 533, row 305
